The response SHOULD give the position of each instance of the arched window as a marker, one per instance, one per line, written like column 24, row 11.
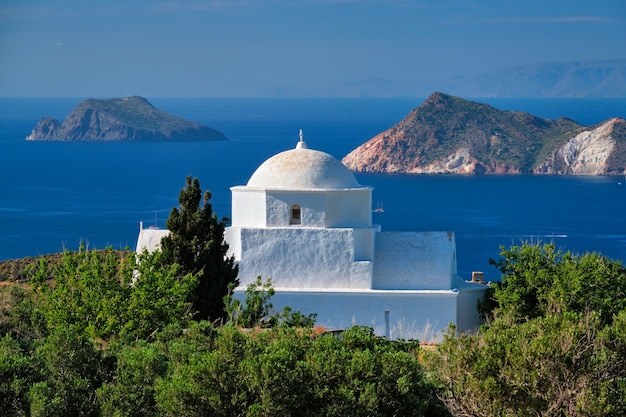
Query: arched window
column 295, row 215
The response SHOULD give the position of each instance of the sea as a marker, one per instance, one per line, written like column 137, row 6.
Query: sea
column 54, row 195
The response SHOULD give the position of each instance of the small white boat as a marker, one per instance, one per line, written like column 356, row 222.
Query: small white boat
column 379, row 208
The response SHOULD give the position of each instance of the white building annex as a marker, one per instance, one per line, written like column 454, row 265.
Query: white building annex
column 304, row 221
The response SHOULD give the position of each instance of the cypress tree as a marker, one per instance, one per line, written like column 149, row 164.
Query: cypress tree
column 196, row 243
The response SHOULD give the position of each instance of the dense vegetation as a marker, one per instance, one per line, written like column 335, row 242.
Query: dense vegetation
column 102, row 339
column 106, row 333
column 554, row 342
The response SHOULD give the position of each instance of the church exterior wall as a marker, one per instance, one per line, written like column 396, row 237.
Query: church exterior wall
column 415, row 260
column 364, row 240
column 467, row 312
column 253, row 207
column 150, row 239
column 279, row 202
column 300, row 257
column 422, row 315
column 349, row 208
column 232, row 237
column 248, row 207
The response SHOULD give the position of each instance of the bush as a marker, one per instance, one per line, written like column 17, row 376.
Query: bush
column 554, row 343
column 289, row 371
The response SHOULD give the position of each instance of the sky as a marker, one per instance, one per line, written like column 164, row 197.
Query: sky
column 247, row 48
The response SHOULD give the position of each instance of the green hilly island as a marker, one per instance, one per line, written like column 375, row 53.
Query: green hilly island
column 448, row 134
column 121, row 119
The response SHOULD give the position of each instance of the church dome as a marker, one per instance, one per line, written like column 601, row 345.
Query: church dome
column 301, row 169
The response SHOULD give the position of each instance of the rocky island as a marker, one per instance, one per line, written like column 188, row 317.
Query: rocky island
column 121, row 119
column 451, row 135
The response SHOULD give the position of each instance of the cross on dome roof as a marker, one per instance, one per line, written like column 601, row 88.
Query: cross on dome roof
column 302, row 143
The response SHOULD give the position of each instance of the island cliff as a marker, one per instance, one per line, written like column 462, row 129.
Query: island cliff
column 121, row 119
column 450, row 135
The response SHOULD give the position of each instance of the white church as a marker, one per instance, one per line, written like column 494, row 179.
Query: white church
column 304, row 221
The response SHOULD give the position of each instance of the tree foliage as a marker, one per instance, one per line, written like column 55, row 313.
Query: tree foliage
column 144, row 365
column 290, row 372
column 159, row 297
column 18, row 372
column 99, row 295
column 102, row 335
column 554, row 343
column 539, row 280
column 256, row 310
column 196, row 243
column 73, row 369
column 130, row 392
column 87, row 292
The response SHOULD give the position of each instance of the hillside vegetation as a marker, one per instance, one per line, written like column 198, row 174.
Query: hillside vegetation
column 20, row 270
column 85, row 338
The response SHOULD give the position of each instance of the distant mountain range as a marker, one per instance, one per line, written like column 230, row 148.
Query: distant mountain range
column 121, row 119
column 555, row 79
column 451, row 135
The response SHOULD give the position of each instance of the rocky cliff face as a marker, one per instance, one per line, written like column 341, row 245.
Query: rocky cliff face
column 587, row 153
column 449, row 135
column 125, row 119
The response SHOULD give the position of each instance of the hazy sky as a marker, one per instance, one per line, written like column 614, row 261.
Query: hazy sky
column 220, row 48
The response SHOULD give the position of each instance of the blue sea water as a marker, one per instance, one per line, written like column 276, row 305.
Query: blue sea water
column 54, row 194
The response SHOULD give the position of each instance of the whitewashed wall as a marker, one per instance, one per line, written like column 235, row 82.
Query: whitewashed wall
column 150, row 239
column 422, row 315
column 415, row 261
column 248, row 207
column 255, row 207
column 301, row 257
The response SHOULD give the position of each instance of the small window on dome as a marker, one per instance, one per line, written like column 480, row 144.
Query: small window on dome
column 295, row 216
